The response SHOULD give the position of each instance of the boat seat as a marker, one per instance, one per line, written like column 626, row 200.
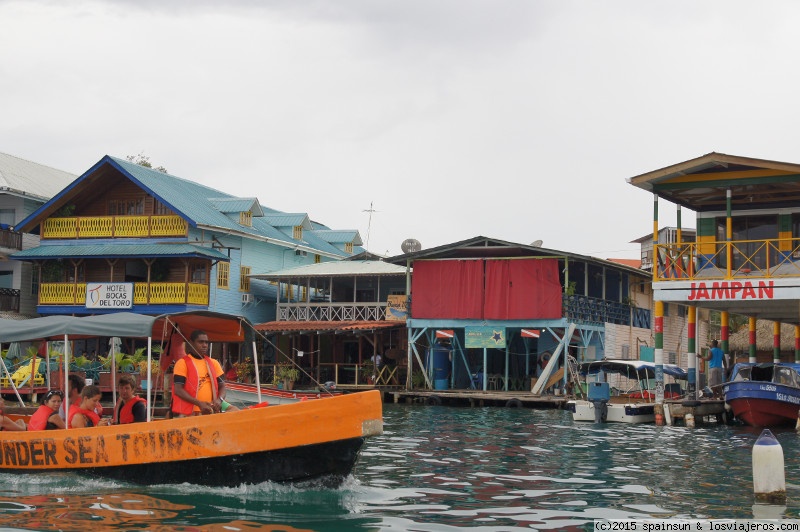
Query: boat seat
column 672, row 390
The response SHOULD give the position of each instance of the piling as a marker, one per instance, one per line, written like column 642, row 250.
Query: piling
column 769, row 479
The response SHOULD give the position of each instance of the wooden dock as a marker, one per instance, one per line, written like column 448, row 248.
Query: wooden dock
column 515, row 399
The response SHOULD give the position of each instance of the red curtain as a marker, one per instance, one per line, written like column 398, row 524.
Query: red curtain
column 447, row 289
column 522, row 289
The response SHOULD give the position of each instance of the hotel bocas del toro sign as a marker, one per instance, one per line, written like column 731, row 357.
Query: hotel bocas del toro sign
column 728, row 290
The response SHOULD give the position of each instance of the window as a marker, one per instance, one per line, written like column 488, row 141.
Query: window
column 297, row 232
column 223, row 275
column 244, row 278
column 317, row 259
column 199, row 273
column 246, row 218
column 348, row 247
column 7, row 216
column 161, row 209
column 35, row 271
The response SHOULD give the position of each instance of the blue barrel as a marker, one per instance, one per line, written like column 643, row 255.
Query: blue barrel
column 441, row 362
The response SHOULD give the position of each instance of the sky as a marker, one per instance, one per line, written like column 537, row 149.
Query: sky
column 510, row 119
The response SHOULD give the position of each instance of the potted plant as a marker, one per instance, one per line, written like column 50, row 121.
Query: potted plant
column 287, row 375
column 244, row 370
column 368, row 371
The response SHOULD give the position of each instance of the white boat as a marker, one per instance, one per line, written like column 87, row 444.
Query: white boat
column 632, row 399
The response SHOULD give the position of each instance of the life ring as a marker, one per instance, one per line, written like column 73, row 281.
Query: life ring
column 513, row 403
column 434, row 400
column 543, row 360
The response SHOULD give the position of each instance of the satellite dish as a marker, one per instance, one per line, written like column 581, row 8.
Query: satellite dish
column 410, row 245
column 537, row 243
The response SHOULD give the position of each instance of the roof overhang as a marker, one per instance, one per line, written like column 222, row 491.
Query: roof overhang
column 318, row 327
column 55, row 251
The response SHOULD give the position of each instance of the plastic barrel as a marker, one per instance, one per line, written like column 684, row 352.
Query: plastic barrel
column 441, row 363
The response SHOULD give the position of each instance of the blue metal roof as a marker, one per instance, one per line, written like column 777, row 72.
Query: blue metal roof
column 118, row 250
column 228, row 205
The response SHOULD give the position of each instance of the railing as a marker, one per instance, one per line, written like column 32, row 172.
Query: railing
column 143, row 294
column 778, row 257
column 10, row 239
column 9, row 299
column 331, row 311
column 597, row 311
column 114, row 227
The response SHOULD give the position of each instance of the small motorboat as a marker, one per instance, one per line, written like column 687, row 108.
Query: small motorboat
column 632, row 398
column 246, row 393
column 764, row 395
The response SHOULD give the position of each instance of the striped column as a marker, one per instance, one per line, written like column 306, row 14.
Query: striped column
column 658, row 357
column 728, row 237
column 656, row 274
column 776, row 341
column 797, row 343
column 691, row 344
column 752, row 344
column 724, row 332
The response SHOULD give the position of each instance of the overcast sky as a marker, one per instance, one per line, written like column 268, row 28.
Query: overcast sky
column 518, row 120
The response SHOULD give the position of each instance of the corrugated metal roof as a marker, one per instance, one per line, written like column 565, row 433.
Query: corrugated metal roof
column 326, row 326
column 228, row 205
column 335, row 269
column 340, row 236
column 119, row 250
column 24, row 177
column 288, row 220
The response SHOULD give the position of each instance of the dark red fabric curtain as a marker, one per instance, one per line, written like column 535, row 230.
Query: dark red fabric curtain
column 522, row 289
column 447, row 289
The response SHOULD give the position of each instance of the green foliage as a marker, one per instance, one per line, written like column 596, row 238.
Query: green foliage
column 120, row 360
column 287, row 373
column 81, row 361
column 143, row 160
column 244, row 369
column 418, row 379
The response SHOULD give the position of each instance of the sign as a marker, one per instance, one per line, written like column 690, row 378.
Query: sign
column 490, row 337
column 109, row 296
column 397, row 308
column 727, row 290
column 442, row 333
column 530, row 333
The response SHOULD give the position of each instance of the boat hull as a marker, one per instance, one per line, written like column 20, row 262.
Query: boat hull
column 293, row 442
column 242, row 393
column 617, row 412
column 763, row 404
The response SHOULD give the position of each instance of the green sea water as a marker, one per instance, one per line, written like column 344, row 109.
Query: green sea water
column 444, row 468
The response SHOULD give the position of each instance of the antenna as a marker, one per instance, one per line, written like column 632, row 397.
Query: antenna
column 536, row 244
column 369, row 224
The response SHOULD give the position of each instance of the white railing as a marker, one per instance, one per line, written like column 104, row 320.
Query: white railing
column 331, row 311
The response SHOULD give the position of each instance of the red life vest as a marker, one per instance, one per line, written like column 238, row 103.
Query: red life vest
column 125, row 413
column 179, row 406
column 92, row 418
column 39, row 418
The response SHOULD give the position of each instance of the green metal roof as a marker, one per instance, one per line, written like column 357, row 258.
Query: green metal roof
column 228, row 205
column 288, row 220
column 342, row 236
column 118, row 250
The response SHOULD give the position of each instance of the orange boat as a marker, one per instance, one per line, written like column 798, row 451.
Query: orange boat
column 291, row 442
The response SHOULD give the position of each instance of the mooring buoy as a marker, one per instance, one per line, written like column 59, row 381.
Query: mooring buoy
column 769, row 478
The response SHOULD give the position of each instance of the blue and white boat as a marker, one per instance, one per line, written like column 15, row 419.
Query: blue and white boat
column 764, row 395
column 631, row 390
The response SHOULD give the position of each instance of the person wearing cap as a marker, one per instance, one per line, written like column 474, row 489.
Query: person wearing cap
column 46, row 417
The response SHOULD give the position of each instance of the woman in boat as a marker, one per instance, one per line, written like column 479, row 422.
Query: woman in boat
column 6, row 423
column 46, row 417
column 84, row 414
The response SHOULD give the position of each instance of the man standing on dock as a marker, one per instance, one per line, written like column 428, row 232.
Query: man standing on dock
column 716, row 360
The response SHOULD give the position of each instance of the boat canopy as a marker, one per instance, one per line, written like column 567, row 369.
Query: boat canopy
column 633, row 369
column 220, row 327
column 781, row 372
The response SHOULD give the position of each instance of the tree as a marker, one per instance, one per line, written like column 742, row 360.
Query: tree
column 144, row 160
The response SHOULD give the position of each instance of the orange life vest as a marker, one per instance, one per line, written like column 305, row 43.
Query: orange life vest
column 91, row 416
column 124, row 414
column 179, row 406
column 39, row 418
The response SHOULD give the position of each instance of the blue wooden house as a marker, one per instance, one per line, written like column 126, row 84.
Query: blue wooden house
column 174, row 244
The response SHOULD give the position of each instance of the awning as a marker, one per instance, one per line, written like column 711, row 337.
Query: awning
column 325, row 326
column 111, row 251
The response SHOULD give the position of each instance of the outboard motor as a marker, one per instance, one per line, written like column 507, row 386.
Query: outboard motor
column 599, row 395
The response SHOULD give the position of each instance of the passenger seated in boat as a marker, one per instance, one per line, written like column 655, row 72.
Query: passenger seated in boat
column 76, row 384
column 198, row 385
column 130, row 408
column 85, row 414
column 46, row 417
column 6, row 423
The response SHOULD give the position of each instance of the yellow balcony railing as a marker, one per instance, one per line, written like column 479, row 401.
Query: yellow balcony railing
column 143, row 294
column 114, row 227
column 778, row 257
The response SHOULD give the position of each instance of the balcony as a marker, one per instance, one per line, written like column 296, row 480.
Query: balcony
column 143, row 294
column 331, row 311
column 591, row 310
column 10, row 239
column 114, row 227
column 710, row 260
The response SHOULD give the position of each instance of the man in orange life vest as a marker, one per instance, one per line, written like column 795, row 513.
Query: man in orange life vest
column 198, row 386
column 130, row 408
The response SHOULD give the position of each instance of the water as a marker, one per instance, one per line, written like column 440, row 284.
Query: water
column 444, row 468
